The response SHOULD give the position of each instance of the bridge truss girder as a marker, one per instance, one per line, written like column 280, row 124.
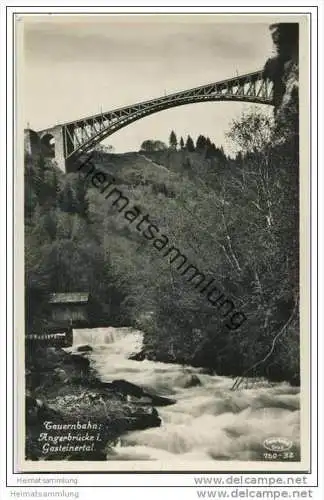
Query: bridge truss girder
column 82, row 135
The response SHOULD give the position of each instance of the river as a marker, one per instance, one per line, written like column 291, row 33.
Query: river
column 208, row 421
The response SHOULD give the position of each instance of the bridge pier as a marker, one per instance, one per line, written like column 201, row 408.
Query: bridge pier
column 52, row 141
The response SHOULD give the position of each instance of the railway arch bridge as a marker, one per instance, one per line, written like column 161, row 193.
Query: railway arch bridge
column 67, row 141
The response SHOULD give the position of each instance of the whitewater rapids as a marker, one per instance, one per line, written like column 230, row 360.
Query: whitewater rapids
column 208, row 421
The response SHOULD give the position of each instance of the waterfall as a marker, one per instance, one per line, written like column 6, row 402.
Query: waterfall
column 99, row 336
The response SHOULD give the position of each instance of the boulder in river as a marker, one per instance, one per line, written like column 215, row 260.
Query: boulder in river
column 84, row 348
column 142, row 396
column 192, row 381
column 138, row 356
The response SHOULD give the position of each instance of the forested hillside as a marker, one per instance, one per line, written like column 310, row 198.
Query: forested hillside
column 234, row 219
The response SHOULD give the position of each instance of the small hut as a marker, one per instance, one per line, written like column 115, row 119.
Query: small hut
column 66, row 311
column 70, row 308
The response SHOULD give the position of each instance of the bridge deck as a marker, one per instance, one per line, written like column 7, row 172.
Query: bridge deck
column 221, row 84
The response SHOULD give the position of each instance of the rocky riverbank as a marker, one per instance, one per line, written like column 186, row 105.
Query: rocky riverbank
column 72, row 415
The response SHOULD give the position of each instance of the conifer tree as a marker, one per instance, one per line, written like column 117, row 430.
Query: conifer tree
column 173, row 140
column 201, row 143
column 190, row 144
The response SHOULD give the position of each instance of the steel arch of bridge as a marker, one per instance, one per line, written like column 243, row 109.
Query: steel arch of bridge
column 83, row 134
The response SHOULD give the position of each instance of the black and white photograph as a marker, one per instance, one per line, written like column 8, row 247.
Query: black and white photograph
column 164, row 207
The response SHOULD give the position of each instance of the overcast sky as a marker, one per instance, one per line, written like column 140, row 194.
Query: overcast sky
column 79, row 66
